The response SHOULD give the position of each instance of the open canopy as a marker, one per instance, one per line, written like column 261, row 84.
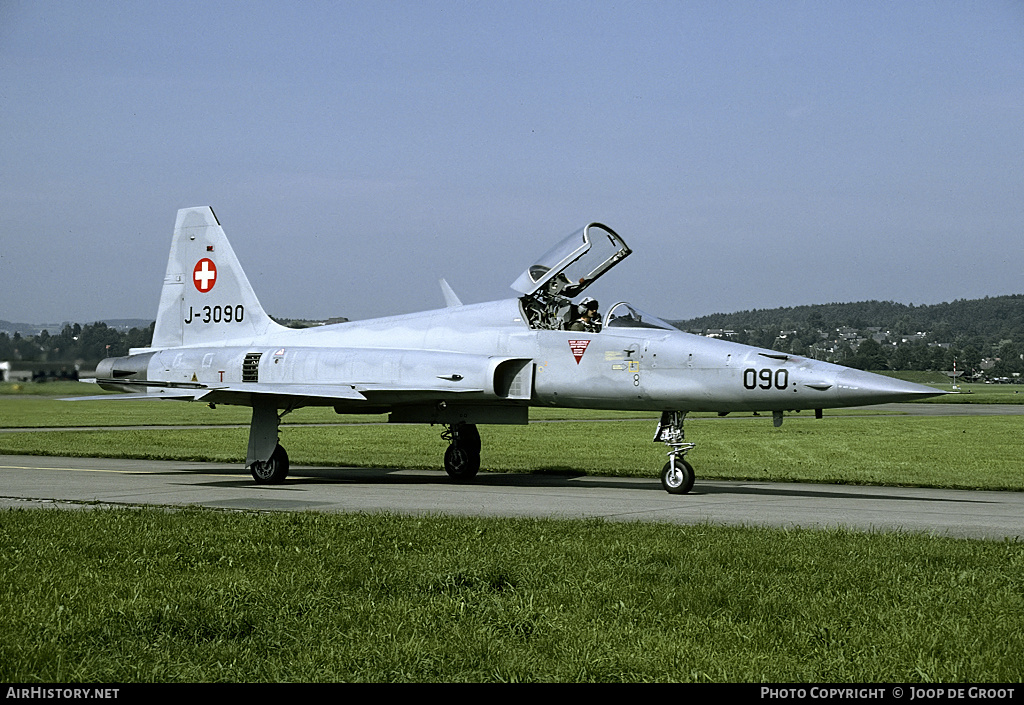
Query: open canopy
column 573, row 264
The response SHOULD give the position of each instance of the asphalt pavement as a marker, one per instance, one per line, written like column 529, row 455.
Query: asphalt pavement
column 52, row 482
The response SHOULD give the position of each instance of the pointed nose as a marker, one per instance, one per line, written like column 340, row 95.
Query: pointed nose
column 855, row 387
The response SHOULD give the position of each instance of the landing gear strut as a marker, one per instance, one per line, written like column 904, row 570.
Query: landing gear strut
column 266, row 459
column 462, row 458
column 677, row 476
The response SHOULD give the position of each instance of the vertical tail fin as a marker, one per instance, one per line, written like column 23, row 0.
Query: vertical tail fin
column 206, row 296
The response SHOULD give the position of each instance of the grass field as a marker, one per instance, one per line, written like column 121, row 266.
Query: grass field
column 148, row 595
column 964, row 393
column 946, row 451
column 952, row 452
column 200, row 596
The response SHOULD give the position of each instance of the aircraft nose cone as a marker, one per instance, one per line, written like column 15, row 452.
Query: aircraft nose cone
column 857, row 387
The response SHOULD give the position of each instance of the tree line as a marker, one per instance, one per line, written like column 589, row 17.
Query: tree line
column 75, row 344
column 977, row 321
column 971, row 333
column 887, row 335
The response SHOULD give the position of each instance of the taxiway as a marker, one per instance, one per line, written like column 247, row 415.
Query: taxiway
column 57, row 482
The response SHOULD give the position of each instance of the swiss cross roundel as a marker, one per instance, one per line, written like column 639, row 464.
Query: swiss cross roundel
column 204, row 275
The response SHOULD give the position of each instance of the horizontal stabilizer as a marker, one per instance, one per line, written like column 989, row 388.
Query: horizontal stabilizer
column 132, row 396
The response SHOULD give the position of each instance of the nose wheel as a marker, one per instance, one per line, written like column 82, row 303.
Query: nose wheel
column 677, row 476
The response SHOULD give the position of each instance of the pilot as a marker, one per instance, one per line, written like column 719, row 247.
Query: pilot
column 589, row 319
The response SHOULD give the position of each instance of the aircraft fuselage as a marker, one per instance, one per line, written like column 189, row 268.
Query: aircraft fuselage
column 463, row 355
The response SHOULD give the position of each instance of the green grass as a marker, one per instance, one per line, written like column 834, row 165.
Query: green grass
column 42, row 410
column 980, row 394
column 946, row 451
column 966, row 393
column 65, row 389
column 147, row 595
column 200, row 596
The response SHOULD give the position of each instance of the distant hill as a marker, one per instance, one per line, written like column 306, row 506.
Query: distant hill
column 982, row 321
column 28, row 328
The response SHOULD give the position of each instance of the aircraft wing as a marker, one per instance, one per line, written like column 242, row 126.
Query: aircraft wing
column 239, row 392
column 304, row 394
column 354, row 378
column 324, row 394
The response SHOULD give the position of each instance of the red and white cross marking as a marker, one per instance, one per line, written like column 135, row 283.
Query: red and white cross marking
column 204, row 276
column 578, row 347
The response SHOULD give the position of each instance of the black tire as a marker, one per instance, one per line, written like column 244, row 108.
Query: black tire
column 273, row 471
column 461, row 464
column 678, row 481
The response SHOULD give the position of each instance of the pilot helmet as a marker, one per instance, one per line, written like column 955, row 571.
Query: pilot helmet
column 587, row 304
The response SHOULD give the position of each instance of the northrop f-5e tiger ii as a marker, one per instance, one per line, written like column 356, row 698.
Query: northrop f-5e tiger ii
column 463, row 365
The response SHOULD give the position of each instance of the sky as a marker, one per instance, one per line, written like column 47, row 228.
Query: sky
column 752, row 154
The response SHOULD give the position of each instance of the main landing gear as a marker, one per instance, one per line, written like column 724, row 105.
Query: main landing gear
column 677, row 475
column 266, row 459
column 462, row 458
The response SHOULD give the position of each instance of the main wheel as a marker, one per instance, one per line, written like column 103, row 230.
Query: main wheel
column 273, row 471
column 462, row 457
column 460, row 462
column 677, row 479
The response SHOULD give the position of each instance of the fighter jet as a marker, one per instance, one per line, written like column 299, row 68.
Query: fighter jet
column 465, row 364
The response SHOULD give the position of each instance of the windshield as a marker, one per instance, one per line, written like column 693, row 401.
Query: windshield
column 622, row 315
column 571, row 265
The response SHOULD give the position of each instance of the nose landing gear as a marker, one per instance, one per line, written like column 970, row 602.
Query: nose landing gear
column 677, row 476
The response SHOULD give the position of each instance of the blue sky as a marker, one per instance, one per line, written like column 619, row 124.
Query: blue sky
column 753, row 154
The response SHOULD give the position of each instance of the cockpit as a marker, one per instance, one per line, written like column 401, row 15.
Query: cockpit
column 561, row 275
